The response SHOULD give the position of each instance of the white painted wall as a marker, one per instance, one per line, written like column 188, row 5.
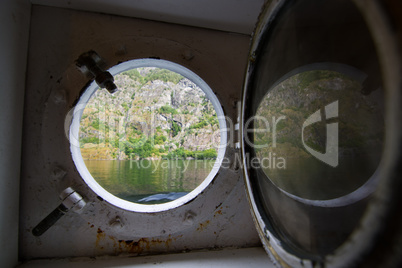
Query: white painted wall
column 237, row 16
column 219, row 217
column 14, row 31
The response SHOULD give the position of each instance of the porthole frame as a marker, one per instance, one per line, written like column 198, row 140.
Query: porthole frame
column 103, row 193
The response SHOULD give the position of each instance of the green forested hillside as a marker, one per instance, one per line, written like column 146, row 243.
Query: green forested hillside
column 155, row 114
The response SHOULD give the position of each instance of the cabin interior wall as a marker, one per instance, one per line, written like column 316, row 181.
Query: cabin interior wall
column 14, row 29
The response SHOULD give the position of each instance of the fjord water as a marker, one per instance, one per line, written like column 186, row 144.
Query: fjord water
column 149, row 181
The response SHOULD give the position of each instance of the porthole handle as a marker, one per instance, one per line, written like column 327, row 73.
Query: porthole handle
column 50, row 220
column 71, row 201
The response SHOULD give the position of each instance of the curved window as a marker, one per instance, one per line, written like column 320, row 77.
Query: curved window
column 313, row 120
column 154, row 144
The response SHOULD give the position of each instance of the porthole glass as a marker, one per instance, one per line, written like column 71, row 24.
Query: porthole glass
column 314, row 127
column 154, row 144
column 319, row 153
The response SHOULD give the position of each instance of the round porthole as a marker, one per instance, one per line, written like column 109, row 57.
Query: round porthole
column 153, row 145
column 321, row 134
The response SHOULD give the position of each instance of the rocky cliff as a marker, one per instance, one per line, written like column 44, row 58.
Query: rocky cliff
column 156, row 113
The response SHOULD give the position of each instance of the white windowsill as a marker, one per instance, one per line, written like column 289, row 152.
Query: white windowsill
column 246, row 257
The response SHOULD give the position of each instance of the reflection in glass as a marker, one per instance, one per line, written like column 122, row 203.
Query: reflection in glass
column 359, row 136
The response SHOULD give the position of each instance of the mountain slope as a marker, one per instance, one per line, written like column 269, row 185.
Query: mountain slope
column 156, row 113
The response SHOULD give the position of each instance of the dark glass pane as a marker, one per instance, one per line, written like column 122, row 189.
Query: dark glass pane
column 313, row 124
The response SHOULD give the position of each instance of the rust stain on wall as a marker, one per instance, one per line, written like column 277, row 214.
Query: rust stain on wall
column 143, row 245
column 203, row 225
column 218, row 212
column 100, row 235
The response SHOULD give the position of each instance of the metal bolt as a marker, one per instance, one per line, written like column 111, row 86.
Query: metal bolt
column 89, row 63
column 59, row 97
column 116, row 222
column 58, row 173
column 188, row 55
column 189, row 218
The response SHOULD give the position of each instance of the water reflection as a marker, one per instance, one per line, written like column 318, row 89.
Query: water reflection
column 149, row 181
